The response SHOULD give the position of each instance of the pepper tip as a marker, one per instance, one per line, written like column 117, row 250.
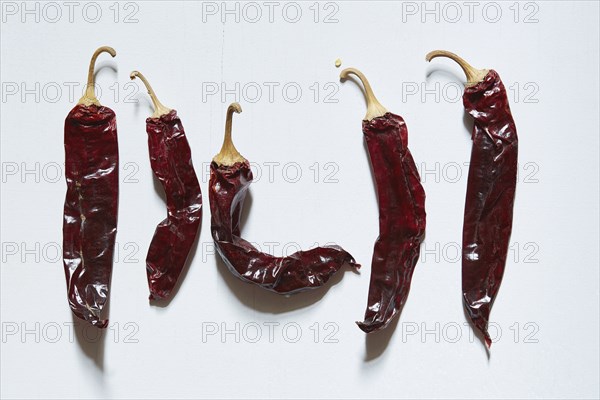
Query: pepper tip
column 488, row 342
column 366, row 328
column 99, row 323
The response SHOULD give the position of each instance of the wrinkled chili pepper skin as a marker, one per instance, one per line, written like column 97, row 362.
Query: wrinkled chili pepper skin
column 91, row 207
column 284, row 275
column 401, row 219
column 171, row 162
column 490, row 197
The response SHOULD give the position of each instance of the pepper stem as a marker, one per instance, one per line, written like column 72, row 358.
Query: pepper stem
column 374, row 107
column 159, row 108
column 229, row 155
column 89, row 96
column 474, row 76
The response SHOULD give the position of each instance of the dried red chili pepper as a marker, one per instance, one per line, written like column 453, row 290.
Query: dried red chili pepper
column 230, row 178
column 171, row 161
column 401, row 211
column 490, row 190
column 91, row 203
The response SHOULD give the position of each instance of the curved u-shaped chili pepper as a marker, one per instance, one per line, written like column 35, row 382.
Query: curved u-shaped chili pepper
column 171, row 161
column 490, row 190
column 401, row 211
column 230, row 178
column 91, row 202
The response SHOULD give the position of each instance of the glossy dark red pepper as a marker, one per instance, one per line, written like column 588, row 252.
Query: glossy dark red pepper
column 401, row 211
column 91, row 203
column 490, row 192
column 230, row 178
column 490, row 197
column 171, row 161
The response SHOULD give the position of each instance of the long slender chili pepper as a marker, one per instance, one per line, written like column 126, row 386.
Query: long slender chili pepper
column 91, row 203
column 171, row 161
column 230, row 178
column 401, row 211
column 490, row 190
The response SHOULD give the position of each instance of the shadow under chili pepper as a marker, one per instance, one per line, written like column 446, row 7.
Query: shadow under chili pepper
column 113, row 68
column 467, row 119
column 269, row 302
column 91, row 344
column 147, row 106
column 359, row 86
column 376, row 342
column 442, row 71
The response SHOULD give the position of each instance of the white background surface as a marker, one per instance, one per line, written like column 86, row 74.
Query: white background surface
column 547, row 309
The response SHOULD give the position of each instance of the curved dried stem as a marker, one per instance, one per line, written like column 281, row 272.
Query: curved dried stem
column 374, row 107
column 159, row 108
column 229, row 155
column 474, row 76
column 89, row 96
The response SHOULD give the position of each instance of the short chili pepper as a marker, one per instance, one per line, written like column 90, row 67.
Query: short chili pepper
column 171, row 162
column 401, row 211
column 490, row 190
column 230, row 178
column 91, row 203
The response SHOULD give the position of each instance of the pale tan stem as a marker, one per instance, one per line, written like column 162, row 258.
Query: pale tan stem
column 474, row 76
column 229, row 155
column 159, row 108
column 374, row 108
column 89, row 96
